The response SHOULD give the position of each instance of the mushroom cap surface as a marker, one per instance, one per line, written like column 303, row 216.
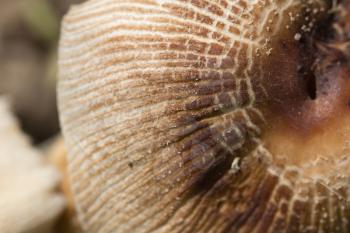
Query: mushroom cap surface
column 207, row 115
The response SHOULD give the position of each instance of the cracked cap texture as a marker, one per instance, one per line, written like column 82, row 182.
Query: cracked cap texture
column 207, row 115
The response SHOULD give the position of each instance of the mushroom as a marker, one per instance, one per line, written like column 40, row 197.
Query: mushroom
column 207, row 115
column 28, row 201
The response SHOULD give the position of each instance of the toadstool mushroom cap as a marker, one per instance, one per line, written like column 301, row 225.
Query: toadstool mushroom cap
column 207, row 115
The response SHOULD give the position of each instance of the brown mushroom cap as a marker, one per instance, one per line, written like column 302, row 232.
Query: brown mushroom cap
column 208, row 115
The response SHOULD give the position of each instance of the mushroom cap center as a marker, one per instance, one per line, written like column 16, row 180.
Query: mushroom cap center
column 308, row 90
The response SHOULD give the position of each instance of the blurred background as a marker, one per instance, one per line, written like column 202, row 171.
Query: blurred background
column 29, row 32
column 29, row 35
